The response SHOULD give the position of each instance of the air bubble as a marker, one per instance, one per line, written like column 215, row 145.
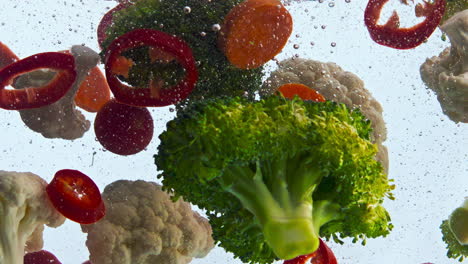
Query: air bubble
column 333, row 44
column 216, row 27
column 331, row 4
column 296, row 46
column 202, row 33
column 187, row 10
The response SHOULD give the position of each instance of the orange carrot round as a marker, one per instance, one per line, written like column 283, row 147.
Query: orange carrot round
column 94, row 91
column 254, row 32
column 304, row 92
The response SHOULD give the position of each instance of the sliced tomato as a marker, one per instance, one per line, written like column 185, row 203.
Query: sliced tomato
column 76, row 197
column 41, row 257
column 323, row 255
column 123, row 129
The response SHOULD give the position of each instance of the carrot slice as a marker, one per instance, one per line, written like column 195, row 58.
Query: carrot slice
column 254, row 31
column 304, row 92
column 157, row 54
column 94, row 91
column 122, row 65
column 7, row 56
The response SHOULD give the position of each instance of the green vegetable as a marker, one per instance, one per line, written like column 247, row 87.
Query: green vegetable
column 453, row 6
column 276, row 174
column 189, row 20
column 455, row 233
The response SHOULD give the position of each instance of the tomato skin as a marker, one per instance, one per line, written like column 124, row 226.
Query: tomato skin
column 323, row 255
column 41, row 257
column 76, row 197
column 123, row 129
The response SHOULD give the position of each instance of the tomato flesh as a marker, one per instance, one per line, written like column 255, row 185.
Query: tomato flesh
column 76, row 197
column 123, row 129
column 41, row 257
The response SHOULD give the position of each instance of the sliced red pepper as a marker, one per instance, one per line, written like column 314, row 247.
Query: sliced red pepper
column 41, row 257
column 76, row 197
column 7, row 56
column 323, row 255
column 391, row 35
column 106, row 21
column 35, row 97
column 144, row 96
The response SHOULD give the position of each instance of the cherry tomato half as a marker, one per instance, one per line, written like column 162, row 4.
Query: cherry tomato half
column 41, row 257
column 76, row 197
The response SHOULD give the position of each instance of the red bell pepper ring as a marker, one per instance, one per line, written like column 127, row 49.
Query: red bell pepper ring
column 323, row 255
column 7, row 56
column 391, row 35
column 34, row 97
column 106, row 21
column 144, row 97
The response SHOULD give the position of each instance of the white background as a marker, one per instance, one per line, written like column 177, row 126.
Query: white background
column 428, row 152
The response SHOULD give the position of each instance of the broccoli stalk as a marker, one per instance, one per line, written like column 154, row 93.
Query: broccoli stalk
column 277, row 174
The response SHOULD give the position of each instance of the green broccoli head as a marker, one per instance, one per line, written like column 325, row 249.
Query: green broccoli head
column 193, row 21
column 276, row 174
column 455, row 232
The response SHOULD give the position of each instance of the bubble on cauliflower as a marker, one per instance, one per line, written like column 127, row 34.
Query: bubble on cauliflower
column 24, row 210
column 60, row 119
column 143, row 225
column 447, row 74
column 337, row 85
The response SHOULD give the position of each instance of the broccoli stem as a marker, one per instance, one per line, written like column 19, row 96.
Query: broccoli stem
column 279, row 194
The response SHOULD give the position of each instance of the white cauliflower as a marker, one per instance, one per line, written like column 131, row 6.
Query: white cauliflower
column 60, row 119
column 24, row 210
column 143, row 225
column 337, row 85
column 447, row 74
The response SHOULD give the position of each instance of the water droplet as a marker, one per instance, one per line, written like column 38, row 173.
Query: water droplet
column 323, row 26
column 202, row 33
column 331, row 4
column 296, row 46
column 312, row 43
column 187, row 9
column 161, row 25
column 333, row 44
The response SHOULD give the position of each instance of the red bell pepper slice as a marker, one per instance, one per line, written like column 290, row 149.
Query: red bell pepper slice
column 7, row 56
column 323, row 255
column 144, row 96
column 76, row 197
column 106, row 21
column 391, row 35
column 34, row 97
column 41, row 257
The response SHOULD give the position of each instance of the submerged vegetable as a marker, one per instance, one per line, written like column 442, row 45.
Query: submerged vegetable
column 197, row 23
column 94, row 91
column 34, row 97
column 276, row 174
column 455, row 233
column 123, row 129
column 254, row 32
column 76, row 196
column 323, row 255
column 154, row 95
column 391, row 35
column 41, row 257
column 304, row 92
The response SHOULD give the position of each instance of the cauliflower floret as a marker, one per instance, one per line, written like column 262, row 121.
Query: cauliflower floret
column 447, row 74
column 24, row 209
column 143, row 225
column 337, row 85
column 60, row 119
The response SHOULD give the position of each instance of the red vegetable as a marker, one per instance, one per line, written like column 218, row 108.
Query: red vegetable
column 34, row 97
column 123, row 129
column 76, row 197
column 41, row 257
column 145, row 96
column 304, row 92
column 323, row 255
column 106, row 21
column 391, row 35
column 6, row 56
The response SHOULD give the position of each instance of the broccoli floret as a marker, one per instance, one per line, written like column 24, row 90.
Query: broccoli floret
column 453, row 6
column 455, row 232
column 193, row 21
column 276, row 174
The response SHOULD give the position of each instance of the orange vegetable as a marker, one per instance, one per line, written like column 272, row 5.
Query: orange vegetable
column 6, row 56
column 122, row 66
column 254, row 32
column 289, row 90
column 94, row 91
column 156, row 53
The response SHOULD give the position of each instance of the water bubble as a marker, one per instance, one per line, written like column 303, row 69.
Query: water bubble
column 161, row 25
column 202, row 33
column 296, row 46
column 187, row 10
column 333, row 44
column 348, row 1
column 323, row 26
column 312, row 43
column 216, row 27
column 331, row 4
